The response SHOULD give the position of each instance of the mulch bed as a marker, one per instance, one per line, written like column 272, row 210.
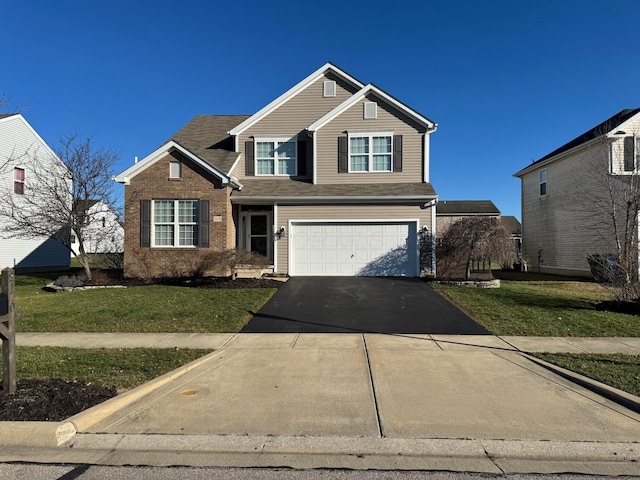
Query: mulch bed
column 51, row 400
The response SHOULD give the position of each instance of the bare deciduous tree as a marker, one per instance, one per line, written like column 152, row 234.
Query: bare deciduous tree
column 58, row 195
column 474, row 238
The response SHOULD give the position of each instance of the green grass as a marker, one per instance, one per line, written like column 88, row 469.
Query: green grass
column 618, row 371
column 144, row 309
column 120, row 368
column 542, row 306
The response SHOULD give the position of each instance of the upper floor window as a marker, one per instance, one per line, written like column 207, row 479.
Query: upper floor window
column 370, row 153
column 631, row 153
column 18, row 181
column 175, row 223
column 543, row 182
column 276, row 157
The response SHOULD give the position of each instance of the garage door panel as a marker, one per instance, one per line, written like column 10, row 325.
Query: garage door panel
column 334, row 248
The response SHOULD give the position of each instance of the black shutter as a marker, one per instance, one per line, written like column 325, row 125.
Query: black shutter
column 145, row 223
column 249, row 158
column 343, row 154
column 629, row 163
column 302, row 157
column 203, row 231
column 397, row 153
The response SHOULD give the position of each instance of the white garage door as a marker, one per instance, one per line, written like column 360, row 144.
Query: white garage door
column 348, row 249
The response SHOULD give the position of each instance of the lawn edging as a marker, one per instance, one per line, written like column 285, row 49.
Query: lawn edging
column 620, row 397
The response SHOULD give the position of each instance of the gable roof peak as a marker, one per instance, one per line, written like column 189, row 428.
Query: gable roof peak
column 292, row 92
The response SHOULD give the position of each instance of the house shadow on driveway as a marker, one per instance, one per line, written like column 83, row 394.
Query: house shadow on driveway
column 391, row 305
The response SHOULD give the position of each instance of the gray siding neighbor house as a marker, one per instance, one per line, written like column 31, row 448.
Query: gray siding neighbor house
column 330, row 178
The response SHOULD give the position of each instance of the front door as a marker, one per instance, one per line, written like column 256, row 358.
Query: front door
column 257, row 232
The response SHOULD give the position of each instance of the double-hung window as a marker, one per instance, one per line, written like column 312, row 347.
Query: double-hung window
column 18, row 181
column 370, row 152
column 175, row 223
column 276, row 156
column 543, row 181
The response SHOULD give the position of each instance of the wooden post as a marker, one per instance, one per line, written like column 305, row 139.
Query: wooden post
column 8, row 331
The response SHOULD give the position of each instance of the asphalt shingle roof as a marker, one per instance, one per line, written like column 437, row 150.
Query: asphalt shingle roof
column 512, row 224
column 466, row 207
column 207, row 137
column 273, row 188
column 604, row 127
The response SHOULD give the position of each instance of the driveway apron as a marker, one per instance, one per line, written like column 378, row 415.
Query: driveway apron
column 360, row 305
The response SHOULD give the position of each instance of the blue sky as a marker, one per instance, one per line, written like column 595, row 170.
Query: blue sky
column 506, row 81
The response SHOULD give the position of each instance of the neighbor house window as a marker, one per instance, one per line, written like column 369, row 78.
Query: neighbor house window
column 175, row 170
column 370, row 153
column 175, row 223
column 276, row 157
column 18, row 181
column 543, row 182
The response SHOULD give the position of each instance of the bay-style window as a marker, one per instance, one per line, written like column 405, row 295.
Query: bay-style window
column 176, row 223
column 370, row 152
column 275, row 156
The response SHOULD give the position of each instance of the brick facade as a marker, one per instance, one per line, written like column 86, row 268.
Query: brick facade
column 195, row 183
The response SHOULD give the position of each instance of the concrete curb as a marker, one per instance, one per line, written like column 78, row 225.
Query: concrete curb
column 610, row 393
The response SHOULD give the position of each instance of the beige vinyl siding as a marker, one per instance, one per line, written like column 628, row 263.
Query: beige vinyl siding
column 389, row 119
column 569, row 222
column 332, row 213
column 294, row 116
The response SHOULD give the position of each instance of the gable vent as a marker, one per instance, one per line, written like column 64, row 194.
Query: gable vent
column 370, row 110
column 329, row 88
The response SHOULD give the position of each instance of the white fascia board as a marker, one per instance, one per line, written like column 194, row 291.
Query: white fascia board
column 622, row 127
column 356, row 97
column 152, row 158
column 292, row 92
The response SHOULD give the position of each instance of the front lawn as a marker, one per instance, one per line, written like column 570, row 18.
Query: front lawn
column 140, row 309
column 618, row 371
column 544, row 306
column 120, row 368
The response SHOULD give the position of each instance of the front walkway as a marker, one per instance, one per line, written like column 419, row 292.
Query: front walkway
column 214, row 341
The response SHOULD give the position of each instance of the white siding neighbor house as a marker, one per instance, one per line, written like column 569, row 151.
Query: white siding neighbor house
column 568, row 197
column 20, row 145
column 104, row 234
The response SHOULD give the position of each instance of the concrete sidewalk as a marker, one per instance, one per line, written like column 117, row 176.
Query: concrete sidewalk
column 434, row 402
column 629, row 346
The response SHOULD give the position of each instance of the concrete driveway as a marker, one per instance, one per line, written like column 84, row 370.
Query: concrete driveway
column 360, row 305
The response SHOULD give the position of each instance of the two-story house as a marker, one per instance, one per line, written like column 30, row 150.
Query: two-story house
column 22, row 153
column 330, row 178
column 575, row 199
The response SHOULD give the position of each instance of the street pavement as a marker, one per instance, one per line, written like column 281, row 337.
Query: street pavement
column 472, row 403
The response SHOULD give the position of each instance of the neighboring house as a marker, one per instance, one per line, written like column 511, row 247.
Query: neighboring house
column 450, row 211
column 330, row 178
column 104, row 233
column 20, row 149
column 566, row 196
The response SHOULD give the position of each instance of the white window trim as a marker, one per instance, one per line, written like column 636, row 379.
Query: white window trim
column 175, row 223
column 369, row 134
column 175, row 165
column 275, row 173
